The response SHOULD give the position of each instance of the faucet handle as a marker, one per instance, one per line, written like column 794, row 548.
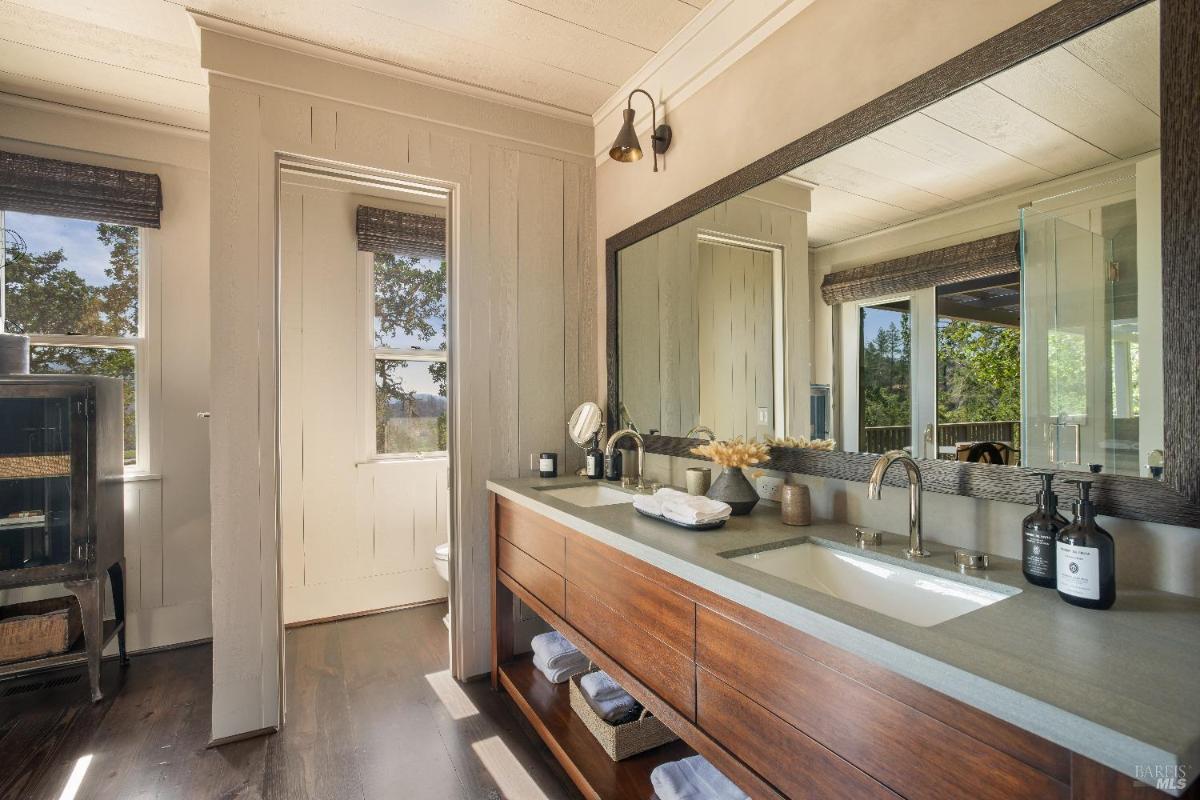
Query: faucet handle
column 967, row 559
column 868, row 537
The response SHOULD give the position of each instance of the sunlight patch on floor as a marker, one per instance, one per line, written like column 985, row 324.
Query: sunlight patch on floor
column 451, row 694
column 509, row 775
column 76, row 780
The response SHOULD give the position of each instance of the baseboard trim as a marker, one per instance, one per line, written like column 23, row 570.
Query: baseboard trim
column 241, row 737
column 355, row 615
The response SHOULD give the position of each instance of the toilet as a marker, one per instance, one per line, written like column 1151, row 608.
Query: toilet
column 441, row 560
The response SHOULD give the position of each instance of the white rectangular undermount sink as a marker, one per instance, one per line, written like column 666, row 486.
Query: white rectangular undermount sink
column 910, row 595
column 591, row 495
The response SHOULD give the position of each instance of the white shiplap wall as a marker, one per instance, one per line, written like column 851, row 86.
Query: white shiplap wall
column 668, row 312
column 523, row 329
column 168, row 589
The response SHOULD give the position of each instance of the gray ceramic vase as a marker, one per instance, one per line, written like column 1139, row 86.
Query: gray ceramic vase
column 732, row 487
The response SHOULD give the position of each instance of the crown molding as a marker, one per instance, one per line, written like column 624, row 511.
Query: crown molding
column 723, row 32
column 206, row 21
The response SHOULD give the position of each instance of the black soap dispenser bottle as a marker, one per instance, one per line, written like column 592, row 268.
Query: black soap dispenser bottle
column 1087, row 572
column 1039, row 536
column 594, row 460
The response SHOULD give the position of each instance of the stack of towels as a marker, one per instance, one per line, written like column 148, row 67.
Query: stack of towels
column 557, row 658
column 693, row 779
column 682, row 507
column 614, row 705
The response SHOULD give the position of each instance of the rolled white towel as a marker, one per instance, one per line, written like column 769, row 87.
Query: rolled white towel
column 554, row 648
column 565, row 669
column 693, row 778
column 695, row 510
column 600, row 686
column 613, row 708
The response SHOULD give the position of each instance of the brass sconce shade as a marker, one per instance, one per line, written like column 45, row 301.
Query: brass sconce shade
column 626, row 147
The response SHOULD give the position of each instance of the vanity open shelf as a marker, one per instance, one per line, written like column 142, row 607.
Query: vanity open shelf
column 547, row 706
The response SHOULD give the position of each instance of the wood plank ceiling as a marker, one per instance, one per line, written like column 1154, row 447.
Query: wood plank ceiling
column 139, row 57
column 1089, row 102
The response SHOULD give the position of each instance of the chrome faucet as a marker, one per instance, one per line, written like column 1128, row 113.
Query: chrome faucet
column 699, row 430
column 638, row 443
column 875, row 487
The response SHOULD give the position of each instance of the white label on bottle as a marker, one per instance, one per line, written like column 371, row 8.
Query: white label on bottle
column 591, row 465
column 546, row 464
column 1079, row 571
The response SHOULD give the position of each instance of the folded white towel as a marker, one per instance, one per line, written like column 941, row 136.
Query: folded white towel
column 693, row 778
column 565, row 669
column 600, row 686
column 649, row 503
column 694, row 510
column 554, row 648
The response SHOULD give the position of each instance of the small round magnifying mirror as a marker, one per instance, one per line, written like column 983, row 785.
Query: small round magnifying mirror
column 585, row 423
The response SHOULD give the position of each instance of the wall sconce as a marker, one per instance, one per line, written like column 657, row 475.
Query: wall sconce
column 626, row 146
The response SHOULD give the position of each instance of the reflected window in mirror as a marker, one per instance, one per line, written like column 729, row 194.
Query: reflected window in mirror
column 885, row 376
column 979, row 370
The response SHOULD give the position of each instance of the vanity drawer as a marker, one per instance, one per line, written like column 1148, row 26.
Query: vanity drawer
column 791, row 761
column 655, row 609
column 912, row 753
column 664, row 670
column 539, row 537
column 536, row 577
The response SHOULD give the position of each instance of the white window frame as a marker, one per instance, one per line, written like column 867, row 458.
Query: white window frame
column 371, row 353
column 139, row 344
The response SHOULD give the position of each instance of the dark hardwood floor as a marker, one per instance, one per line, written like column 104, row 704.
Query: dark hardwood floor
column 372, row 713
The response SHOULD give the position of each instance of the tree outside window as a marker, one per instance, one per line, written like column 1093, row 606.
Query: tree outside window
column 72, row 286
column 410, row 352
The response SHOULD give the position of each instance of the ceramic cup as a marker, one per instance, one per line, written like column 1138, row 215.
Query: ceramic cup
column 698, row 480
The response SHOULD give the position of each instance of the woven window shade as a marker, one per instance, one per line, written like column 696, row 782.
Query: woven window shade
column 982, row 258
column 66, row 189
column 383, row 231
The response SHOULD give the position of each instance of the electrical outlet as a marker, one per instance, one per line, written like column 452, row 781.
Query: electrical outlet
column 769, row 488
column 764, row 416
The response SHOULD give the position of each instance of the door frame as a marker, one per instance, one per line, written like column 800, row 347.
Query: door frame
column 358, row 175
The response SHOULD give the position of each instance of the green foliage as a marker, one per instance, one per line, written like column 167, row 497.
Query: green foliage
column 45, row 295
column 979, row 372
column 407, row 297
column 884, row 375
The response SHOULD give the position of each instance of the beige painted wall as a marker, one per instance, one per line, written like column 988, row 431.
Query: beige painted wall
column 522, row 351
column 831, row 58
column 166, row 511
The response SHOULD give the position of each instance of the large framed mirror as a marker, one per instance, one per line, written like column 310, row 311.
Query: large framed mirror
column 993, row 268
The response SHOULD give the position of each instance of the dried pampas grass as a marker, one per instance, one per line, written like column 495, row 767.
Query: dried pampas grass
column 737, row 452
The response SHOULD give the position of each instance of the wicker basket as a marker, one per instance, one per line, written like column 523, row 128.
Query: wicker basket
column 619, row 741
column 39, row 628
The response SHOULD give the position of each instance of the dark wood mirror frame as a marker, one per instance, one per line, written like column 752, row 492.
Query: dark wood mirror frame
column 1176, row 499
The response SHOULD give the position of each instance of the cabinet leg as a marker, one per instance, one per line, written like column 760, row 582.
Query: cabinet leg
column 116, row 580
column 91, row 607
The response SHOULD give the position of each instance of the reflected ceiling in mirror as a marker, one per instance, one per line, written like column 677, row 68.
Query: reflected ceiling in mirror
column 988, row 268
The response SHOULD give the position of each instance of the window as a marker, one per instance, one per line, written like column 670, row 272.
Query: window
column 884, row 363
column 74, row 286
column 409, row 352
column 979, row 366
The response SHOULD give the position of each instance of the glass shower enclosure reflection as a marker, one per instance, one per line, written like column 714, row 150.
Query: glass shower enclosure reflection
column 1091, row 299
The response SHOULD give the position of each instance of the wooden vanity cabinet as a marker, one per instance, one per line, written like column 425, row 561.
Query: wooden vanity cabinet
column 782, row 713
